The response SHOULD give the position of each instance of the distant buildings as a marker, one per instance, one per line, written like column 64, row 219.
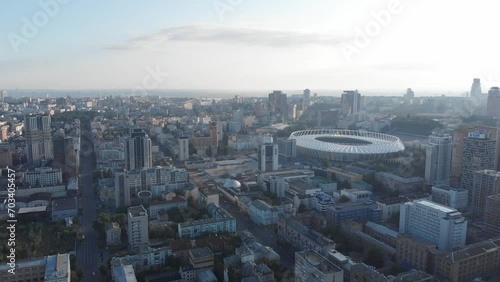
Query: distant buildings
column 268, row 157
column 311, row 266
column 433, row 223
column 138, row 227
column 438, row 159
column 409, row 94
column 138, row 150
column 485, row 183
column 278, row 106
column 287, row 150
column 38, row 134
column 493, row 104
column 328, row 118
column 475, row 90
column 350, row 102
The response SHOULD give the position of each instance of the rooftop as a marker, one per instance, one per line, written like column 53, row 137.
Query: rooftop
column 137, row 211
column 435, row 206
column 201, row 253
column 64, row 204
column 318, row 261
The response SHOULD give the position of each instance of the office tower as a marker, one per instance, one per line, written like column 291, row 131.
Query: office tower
column 183, row 148
column 65, row 155
column 138, row 150
column 278, row 106
column 307, row 94
column 3, row 95
column 268, row 157
column 409, row 94
column 311, row 266
column 492, row 215
column 485, row 183
column 433, row 223
column 479, row 153
column 493, row 106
column 328, row 118
column 39, row 146
column 214, row 134
column 438, row 159
column 138, row 233
column 475, row 90
column 287, row 149
column 458, row 147
column 350, row 102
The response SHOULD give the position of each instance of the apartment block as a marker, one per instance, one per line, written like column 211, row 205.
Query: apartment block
column 311, row 266
column 485, row 183
column 138, row 224
column 367, row 210
column 452, row 197
column 221, row 221
column 55, row 268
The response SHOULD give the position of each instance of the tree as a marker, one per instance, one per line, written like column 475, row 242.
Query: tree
column 344, row 199
column 375, row 258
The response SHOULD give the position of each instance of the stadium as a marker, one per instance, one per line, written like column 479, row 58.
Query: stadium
column 345, row 145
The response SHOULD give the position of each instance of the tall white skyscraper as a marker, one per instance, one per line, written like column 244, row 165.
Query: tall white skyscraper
column 433, row 223
column 138, row 223
column 183, row 148
column 39, row 145
column 138, row 150
column 438, row 159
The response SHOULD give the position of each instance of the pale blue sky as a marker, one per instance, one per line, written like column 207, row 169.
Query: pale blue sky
column 255, row 44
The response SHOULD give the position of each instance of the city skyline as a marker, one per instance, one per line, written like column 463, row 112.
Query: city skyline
column 243, row 45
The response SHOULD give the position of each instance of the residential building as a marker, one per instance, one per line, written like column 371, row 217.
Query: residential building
column 208, row 196
column 390, row 207
column 113, row 233
column 340, row 175
column 268, row 157
column 287, row 150
column 123, row 273
column 414, row 253
column 356, row 194
column 311, row 266
column 201, row 259
column 492, row 214
column 64, row 208
column 486, row 183
column 350, row 102
column 299, row 235
column 397, row 183
column 438, row 159
column 450, row 196
column 138, row 224
column 264, row 214
column 183, row 148
column 43, row 176
column 38, row 134
column 479, row 153
column 433, row 223
column 206, row 276
column 138, row 150
column 5, row 157
column 158, row 206
column 278, row 106
column 221, row 221
column 493, row 104
column 54, row 268
column 367, row 210
column 146, row 259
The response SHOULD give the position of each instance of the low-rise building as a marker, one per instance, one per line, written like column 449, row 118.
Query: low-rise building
column 300, row 236
column 63, row 208
column 398, row 183
column 201, row 259
column 49, row 268
column 367, row 210
column 311, row 266
column 157, row 206
column 264, row 214
column 113, row 233
column 207, row 196
column 450, row 196
column 356, row 194
column 221, row 221
column 43, row 176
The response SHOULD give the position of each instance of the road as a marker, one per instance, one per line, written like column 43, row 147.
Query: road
column 266, row 236
column 88, row 254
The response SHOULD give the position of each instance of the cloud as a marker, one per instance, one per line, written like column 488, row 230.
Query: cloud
column 405, row 67
column 235, row 34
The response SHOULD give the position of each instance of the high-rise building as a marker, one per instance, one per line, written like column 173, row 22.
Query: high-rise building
column 287, row 149
column 458, row 148
column 183, row 148
column 278, row 106
column 66, row 157
column 350, row 102
column 409, row 94
column 493, row 106
column 268, row 157
column 433, row 223
column 328, row 118
column 492, row 215
column 475, row 90
column 485, row 183
column 138, row 150
column 138, row 224
column 438, row 159
column 39, row 146
column 479, row 152
column 3, row 95
column 311, row 266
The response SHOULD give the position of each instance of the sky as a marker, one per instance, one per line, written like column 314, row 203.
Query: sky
column 434, row 47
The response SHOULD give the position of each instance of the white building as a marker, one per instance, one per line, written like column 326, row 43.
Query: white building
column 43, row 176
column 183, row 148
column 268, row 157
column 433, row 223
column 450, row 196
column 438, row 159
column 138, row 233
column 264, row 214
column 356, row 194
column 221, row 221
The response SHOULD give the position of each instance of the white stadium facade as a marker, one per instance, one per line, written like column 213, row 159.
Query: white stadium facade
column 345, row 145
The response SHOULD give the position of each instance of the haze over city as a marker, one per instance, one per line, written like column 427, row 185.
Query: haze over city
column 254, row 46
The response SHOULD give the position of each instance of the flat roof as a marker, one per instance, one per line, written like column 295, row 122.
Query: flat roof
column 64, row 204
column 137, row 211
column 435, row 206
column 318, row 261
column 32, row 209
column 201, row 252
